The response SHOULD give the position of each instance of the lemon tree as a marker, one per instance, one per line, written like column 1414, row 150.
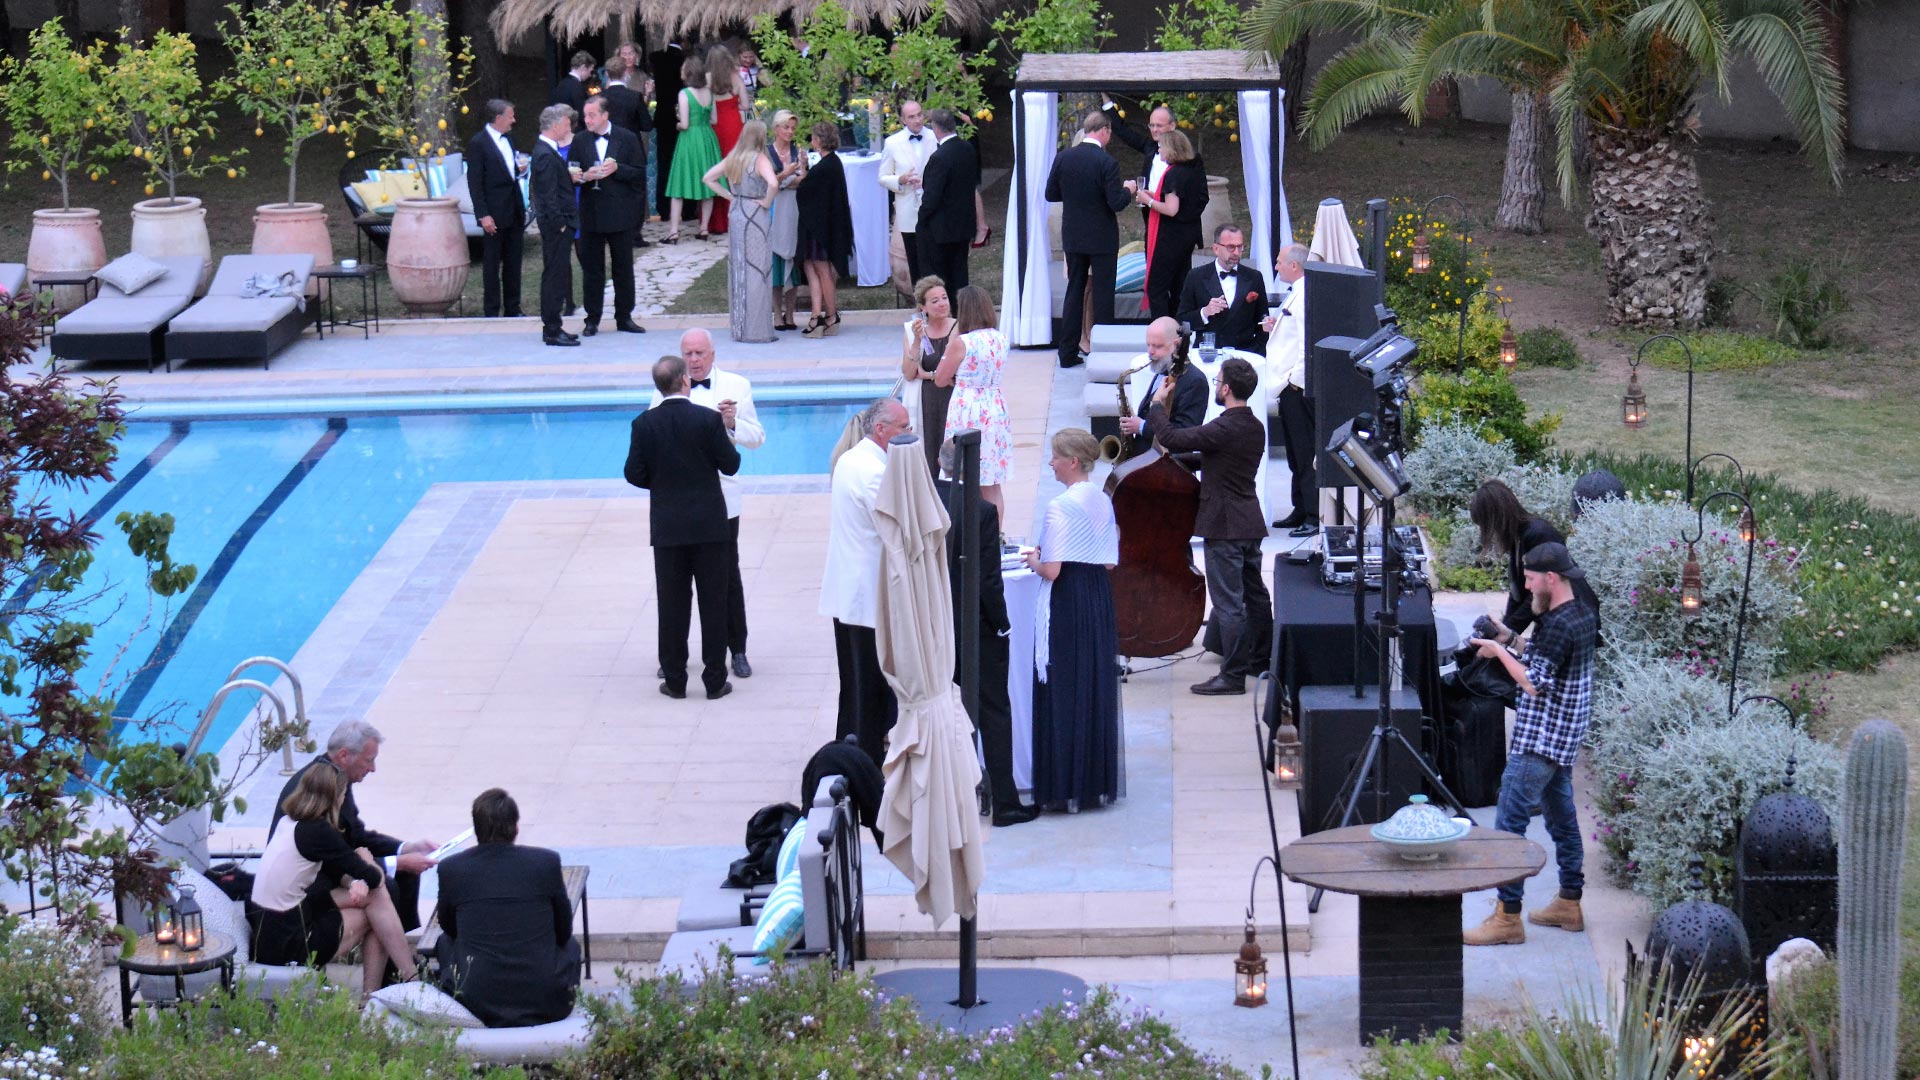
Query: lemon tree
column 292, row 65
column 400, row 82
column 816, row 86
column 54, row 104
column 169, row 111
column 1202, row 24
column 925, row 64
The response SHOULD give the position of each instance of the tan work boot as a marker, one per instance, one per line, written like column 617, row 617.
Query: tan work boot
column 1501, row 928
column 1563, row 913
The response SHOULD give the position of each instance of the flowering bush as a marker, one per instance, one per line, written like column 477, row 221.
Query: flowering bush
column 50, row 1012
column 1450, row 462
column 1675, row 777
column 806, row 1021
column 1483, row 400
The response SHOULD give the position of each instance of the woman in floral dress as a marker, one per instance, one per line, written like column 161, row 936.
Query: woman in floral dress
column 975, row 358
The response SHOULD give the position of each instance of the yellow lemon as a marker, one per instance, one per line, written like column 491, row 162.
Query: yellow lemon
column 423, row 43
column 187, row 150
column 1233, row 138
column 1122, row 113
column 137, row 151
column 44, row 141
column 149, row 189
column 463, row 110
column 379, row 88
column 89, row 123
column 1219, row 108
column 442, row 125
column 273, row 61
column 1216, row 122
column 46, row 174
column 349, row 155
column 233, row 174
column 257, row 133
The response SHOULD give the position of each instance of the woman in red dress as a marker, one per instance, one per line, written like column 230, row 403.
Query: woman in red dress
column 729, row 90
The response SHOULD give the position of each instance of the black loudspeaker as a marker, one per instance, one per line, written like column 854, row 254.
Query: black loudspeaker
column 1334, row 726
column 1340, row 302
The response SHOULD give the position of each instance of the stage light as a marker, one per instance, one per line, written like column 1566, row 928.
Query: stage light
column 1381, row 475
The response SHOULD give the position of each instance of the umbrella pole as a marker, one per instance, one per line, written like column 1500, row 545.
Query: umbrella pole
column 968, row 442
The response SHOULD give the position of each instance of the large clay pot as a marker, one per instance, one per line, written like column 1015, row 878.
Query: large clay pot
column 292, row 229
column 427, row 258
column 1219, row 209
column 65, row 242
column 164, row 227
column 897, row 260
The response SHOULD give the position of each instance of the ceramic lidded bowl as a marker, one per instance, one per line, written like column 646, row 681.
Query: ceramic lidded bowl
column 1419, row 831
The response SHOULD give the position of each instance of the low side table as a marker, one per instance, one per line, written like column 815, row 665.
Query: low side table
column 1410, row 927
column 83, row 279
column 152, row 958
column 369, row 298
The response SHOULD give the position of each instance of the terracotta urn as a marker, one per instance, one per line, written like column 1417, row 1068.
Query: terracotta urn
column 164, row 227
column 427, row 257
column 65, row 242
column 294, row 228
column 897, row 258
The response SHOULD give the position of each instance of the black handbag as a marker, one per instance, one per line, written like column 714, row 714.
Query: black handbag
column 1479, row 676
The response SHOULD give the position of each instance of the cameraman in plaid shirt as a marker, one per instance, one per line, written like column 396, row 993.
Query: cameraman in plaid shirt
column 1555, row 676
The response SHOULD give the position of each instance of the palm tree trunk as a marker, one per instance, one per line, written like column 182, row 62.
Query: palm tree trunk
column 489, row 68
column 1522, row 196
column 1293, row 79
column 1654, row 225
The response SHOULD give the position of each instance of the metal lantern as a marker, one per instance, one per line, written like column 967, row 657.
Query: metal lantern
column 1700, row 938
column 164, row 931
column 1692, row 587
column 1786, row 877
column 1250, row 973
column 1422, row 254
column 1289, row 757
column 1509, row 348
column 1633, row 406
column 190, row 922
column 1749, row 528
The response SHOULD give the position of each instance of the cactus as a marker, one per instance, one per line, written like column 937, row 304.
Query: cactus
column 1873, row 818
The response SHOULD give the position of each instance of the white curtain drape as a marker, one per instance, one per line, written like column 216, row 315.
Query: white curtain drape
column 1026, row 308
column 1260, row 160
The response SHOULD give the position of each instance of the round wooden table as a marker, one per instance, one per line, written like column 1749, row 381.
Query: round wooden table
column 1410, row 947
column 152, row 958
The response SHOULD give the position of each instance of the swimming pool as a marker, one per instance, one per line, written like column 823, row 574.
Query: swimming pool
column 281, row 515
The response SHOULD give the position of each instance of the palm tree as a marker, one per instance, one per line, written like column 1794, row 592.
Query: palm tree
column 1624, row 72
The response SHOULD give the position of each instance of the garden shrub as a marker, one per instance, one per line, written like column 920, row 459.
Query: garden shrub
column 50, row 1005
column 1723, row 350
column 1803, row 300
column 1674, row 778
column 1808, row 1005
column 1442, row 348
column 1546, row 346
column 806, row 1021
column 1484, row 401
column 1633, row 554
column 1450, row 461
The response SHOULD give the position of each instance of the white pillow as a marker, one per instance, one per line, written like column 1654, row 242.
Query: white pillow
column 427, row 1005
column 131, row 272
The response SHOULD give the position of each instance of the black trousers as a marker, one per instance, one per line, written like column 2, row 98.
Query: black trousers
column 995, row 721
column 1296, row 428
column 1082, row 269
column 915, row 271
column 1242, row 606
column 556, row 277
column 594, row 249
column 867, row 705
column 500, row 255
column 948, row 262
column 679, row 570
column 736, row 594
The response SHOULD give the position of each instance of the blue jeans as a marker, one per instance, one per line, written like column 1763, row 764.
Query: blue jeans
column 1536, row 783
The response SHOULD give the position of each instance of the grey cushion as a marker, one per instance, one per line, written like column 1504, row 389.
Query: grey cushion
column 1118, row 337
column 1107, row 367
column 231, row 314
column 123, row 314
column 503, row 1046
column 710, row 908
column 1100, row 399
column 234, row 271
column 130, row 273
column 690, row 952
column 13, row 278
column 427, row 1005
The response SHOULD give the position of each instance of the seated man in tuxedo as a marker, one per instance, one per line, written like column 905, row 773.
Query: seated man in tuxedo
column 508, row 951
column 1226, row 299
column 1188, row 406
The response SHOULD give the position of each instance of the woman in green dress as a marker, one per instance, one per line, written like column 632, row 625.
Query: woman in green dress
column 695, row 151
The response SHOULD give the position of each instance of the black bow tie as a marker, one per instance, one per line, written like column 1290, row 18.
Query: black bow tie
column 708, row 383
column 914, row 136
column 1225, row 274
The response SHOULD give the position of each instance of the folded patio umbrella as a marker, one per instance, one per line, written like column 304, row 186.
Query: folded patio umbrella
column 1333, row 239
column 928, row 810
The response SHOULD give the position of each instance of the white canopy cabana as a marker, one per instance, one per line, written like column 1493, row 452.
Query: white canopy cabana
column 1026, row 312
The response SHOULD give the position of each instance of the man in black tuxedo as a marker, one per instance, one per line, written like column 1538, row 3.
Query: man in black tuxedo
column 627, row 106
column 678, row 453
column 995, row 721
column 507, row 949
column 1152, row 165
column 492, row 181
column 613, row 173
column 571, row 90
column 1188, row 405
column 666, row 119
column 949, row 218
column 1085, row 181
column 1231, row 447
column 550, row 188
column 1226, row 299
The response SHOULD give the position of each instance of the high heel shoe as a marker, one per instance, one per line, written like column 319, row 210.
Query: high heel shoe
column 670, row 238
column 832, row 326
column 816, row 328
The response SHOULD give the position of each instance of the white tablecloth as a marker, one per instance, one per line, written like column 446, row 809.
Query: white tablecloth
column 872, row 261
column 1023, row 593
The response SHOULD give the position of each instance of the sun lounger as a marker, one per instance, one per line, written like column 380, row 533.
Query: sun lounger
column 244, row 315
column 121, row 325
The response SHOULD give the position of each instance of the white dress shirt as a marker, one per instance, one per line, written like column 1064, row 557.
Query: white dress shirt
column 850, row 587
column 902, row 153
column 1228, row 294
column 747, row 434
column 505, row 146
column 1287, row 347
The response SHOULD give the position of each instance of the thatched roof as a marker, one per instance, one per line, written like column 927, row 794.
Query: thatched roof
column 1200, row 69
column 701, row 18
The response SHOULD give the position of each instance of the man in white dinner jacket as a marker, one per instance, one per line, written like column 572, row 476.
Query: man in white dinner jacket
column 730, row 395
column 850, row 587
column 1287, row 368
column 903, row 162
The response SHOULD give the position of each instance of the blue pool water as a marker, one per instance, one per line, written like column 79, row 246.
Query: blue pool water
column 281, row 515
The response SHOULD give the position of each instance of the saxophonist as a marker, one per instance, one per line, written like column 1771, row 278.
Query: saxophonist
column 1187, row 405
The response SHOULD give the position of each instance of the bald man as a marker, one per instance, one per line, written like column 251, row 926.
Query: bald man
column 731, row 396
column 1188, row 405
column 1152, row 165
column 1287, row 359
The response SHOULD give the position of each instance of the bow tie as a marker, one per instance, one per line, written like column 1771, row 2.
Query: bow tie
column 915, row 136
column 708, row 383
column 1226, row 274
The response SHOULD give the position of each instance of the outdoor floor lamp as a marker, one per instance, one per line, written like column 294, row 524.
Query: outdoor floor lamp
column 1423, row 263
column 1692, row 582
column 1633, row 406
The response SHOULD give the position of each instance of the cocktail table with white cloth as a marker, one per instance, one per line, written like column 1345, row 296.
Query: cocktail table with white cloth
column 872, row 258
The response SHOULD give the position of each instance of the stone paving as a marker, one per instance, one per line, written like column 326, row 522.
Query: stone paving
column 505, row 635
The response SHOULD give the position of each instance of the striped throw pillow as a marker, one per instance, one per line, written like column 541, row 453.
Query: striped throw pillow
column 788, row 860
column 781, row 919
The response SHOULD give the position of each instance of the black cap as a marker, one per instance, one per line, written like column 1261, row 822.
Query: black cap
column 1551, row 558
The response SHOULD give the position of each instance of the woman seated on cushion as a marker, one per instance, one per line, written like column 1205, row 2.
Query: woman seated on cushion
column 296, row 927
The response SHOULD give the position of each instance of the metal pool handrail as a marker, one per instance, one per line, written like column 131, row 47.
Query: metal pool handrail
column 220, row 698
column 299, row 695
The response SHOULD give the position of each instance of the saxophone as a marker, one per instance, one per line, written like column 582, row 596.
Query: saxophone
column 1116, row 448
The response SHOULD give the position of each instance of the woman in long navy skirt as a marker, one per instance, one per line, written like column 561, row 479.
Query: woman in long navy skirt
column 1078, row 757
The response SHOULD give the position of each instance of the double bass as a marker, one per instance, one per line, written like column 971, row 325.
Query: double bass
column 1159, row 598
